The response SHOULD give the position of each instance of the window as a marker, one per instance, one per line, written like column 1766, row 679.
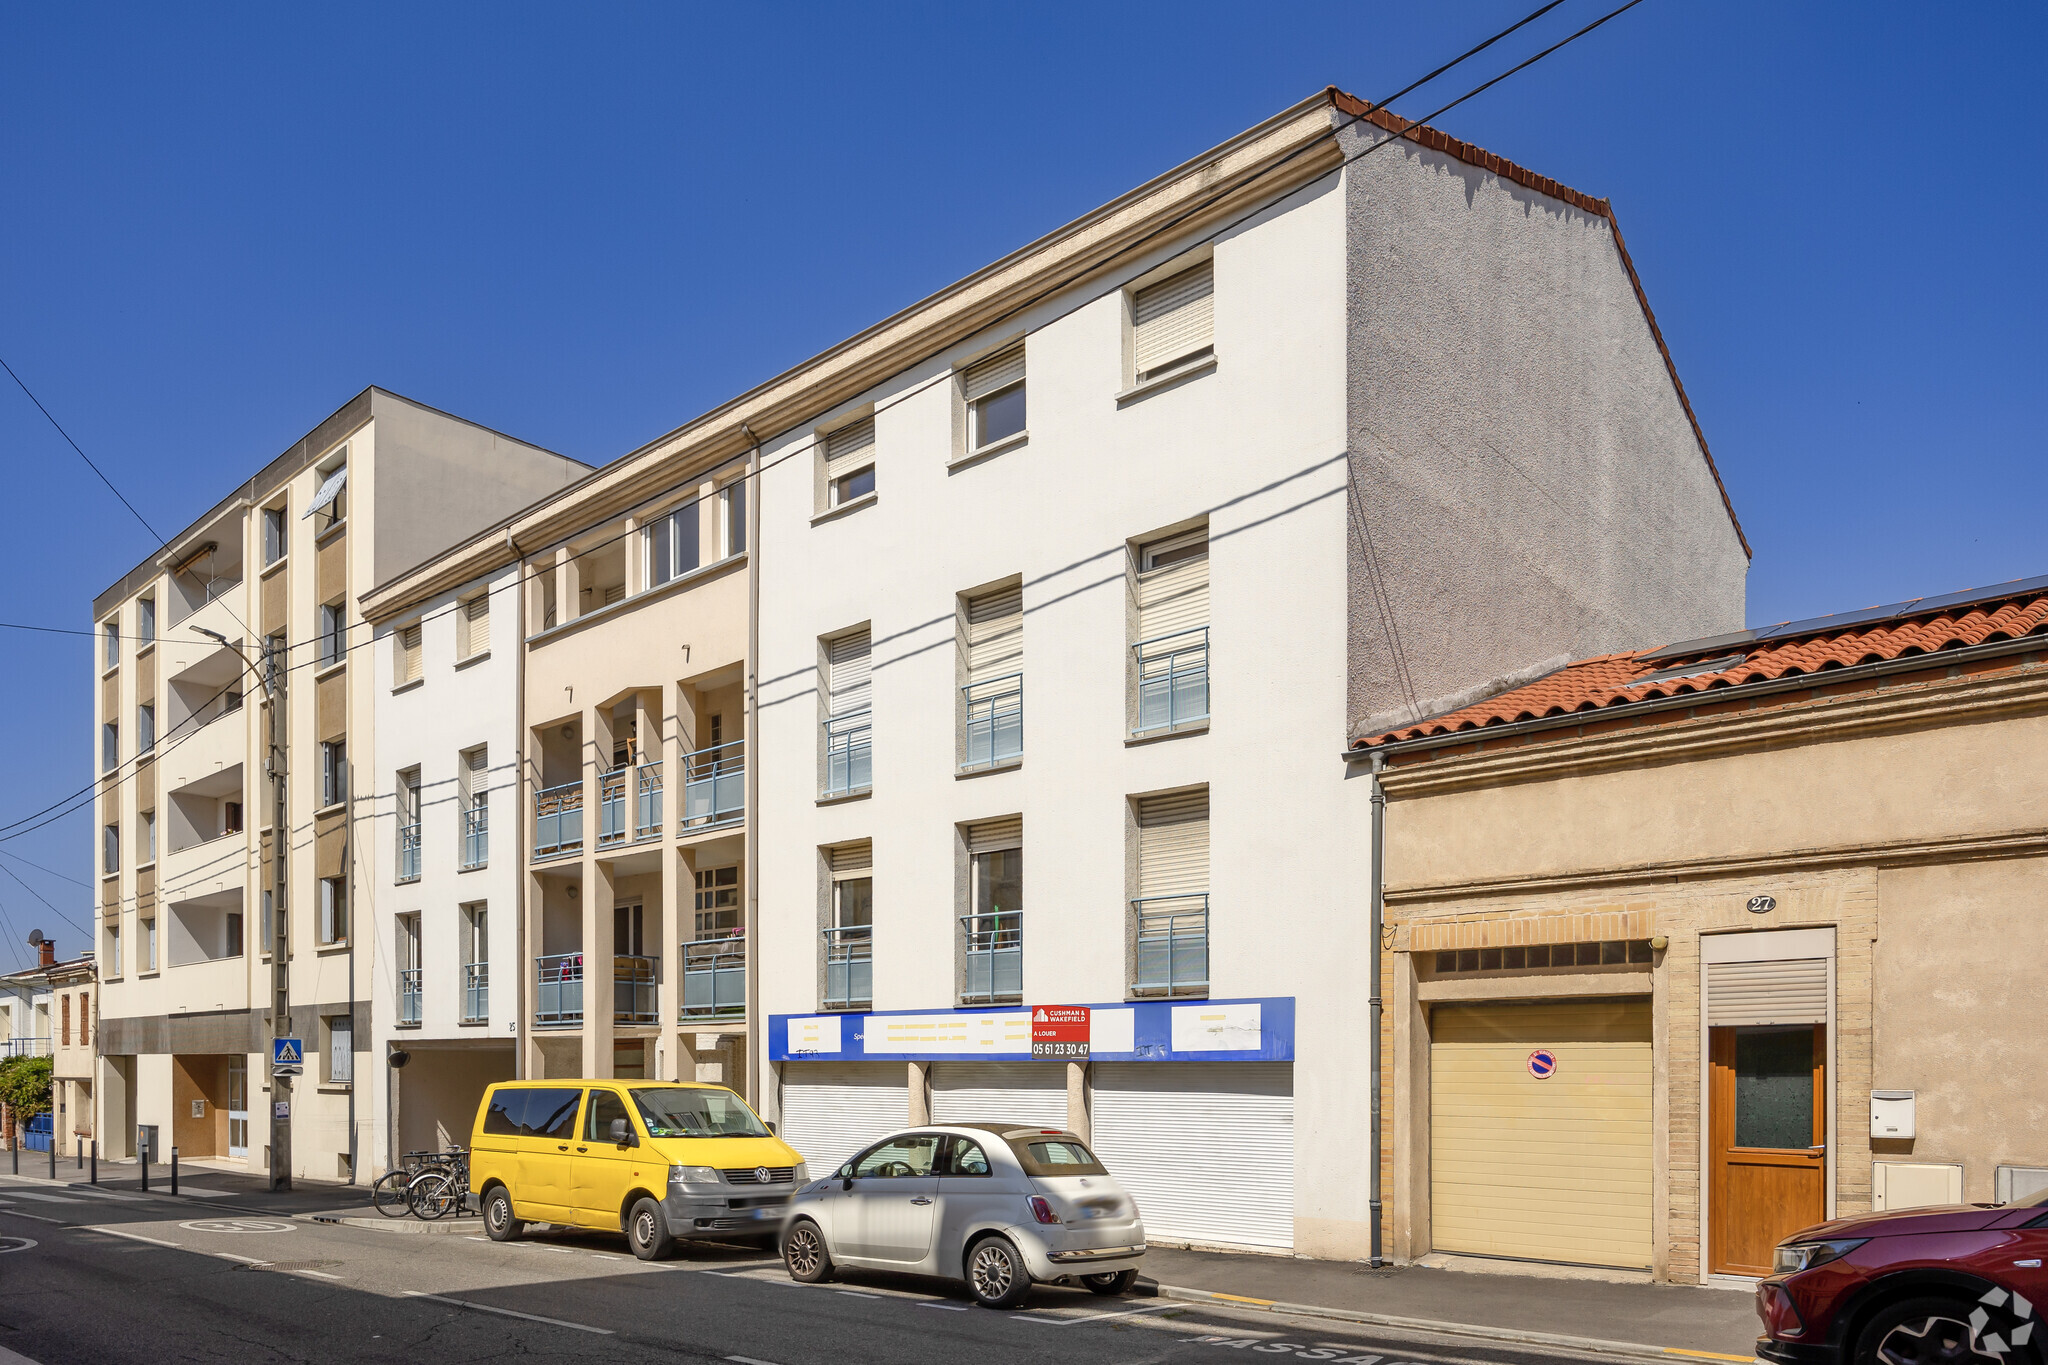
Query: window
column 476, row 964
column 273, row 534
column 1171, row 909
column 269, row 921
column 230, row 817
column 1609, row 953
column 145, row 840
column 910, row 1155
column 110, row 746
column 533, row 1113
column 112, row 633
column 234, row 933
column 965, row 1157
column 993, row 926
column 145, row 728
column 850, row 463
column 146, row 929
column 64, row 1021
column 407, row 659
column 407, row 943
column 718, row 903
column 1173, row 322
column 848, row 753
column 849, row 930
column 333, row 627
column 145, row 619
column 473, row 773
column 341, row 1050
column 992, row 677
column 110, row 850
column 85, row 1018
column 113, row 950
column 408, row 802
column 333, row 910
column 333, row 772
column 329, row 506
column 994, row 391
column 1170, row 657
column 473, row 627
column 732, row 518
column 672, row 549
column 604, row 1109
column 629, row 925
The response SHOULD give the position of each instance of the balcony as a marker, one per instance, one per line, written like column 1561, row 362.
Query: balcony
column 476, row 837
column 25, row 1047
column 995, row 722
column 636, row 982
column 849, row 967
column 611, row 808
column 849, row 764
column 1173, row 681
column 409, row 852
column 558, row 990
column 476, row 992
column 409, row 997
column 647, row 801
column 995, row 958
column 714, row 978
column 714, row 785
column 558, row 820
column 1173, row 945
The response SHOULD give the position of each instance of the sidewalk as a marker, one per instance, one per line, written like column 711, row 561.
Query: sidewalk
column 1682, row 1321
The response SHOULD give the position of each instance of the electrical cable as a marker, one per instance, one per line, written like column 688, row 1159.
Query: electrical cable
column 81, row 454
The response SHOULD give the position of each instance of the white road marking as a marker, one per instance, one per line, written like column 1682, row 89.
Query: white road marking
column 856, row 1294
column 949, row 1307
column 509, row 1313
column 1093, row 1317
column 600, row 1256
column 321, row 1273
column 230, row 1256
column 749, row 1360
column 134, row 1236
column 44, row 1198
column 17, row 1213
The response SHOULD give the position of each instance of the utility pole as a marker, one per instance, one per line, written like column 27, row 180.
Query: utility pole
column 280, row 920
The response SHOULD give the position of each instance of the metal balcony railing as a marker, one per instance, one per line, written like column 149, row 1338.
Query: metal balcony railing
column 636, row 981
column 995, row 721
column 558, row 819
column 715, row 785
column 25, row 1047
column 409, row 997
column 611, row 807
column 476, row 836
column 1173, row 680
column 714, row 978
column 558, row 991
column 849, row 966
column 849, row 761
column 647, row 800
column 995, row 957
column 1173, row 945
column 476, row 992
column 409, row 852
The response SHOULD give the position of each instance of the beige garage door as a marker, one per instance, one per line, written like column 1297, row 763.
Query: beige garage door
column 1552, row 1169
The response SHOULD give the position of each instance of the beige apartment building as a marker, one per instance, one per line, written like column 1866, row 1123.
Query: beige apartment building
column 74, row 985
column 622, row 605
column 187, row 918
column 1696, row 946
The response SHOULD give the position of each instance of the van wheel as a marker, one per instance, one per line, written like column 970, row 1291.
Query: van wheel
column 498, row 1219
column 647, row 1230
column 1113, row 1283
column 1922, row 1332
column 995, row 1273
column 804, row 1254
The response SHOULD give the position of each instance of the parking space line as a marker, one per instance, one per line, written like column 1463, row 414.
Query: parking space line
column 749, row 1360
column 134, row 1236
column 230, row 1256
column 948, row 1307
column 856, row 1294
column 53, row 1222
column 321, row 1273
column 509, row 1313
column 1092, row 1317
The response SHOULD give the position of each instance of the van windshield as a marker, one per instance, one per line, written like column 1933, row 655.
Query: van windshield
column 696, row 1113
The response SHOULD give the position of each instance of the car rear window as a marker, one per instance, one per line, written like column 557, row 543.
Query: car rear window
column 532, row 1113
column 1055, row 1156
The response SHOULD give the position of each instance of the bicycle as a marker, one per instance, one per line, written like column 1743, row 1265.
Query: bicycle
column 392, row 1194
column 442, row 1185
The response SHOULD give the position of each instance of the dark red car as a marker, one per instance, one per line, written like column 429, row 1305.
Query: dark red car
column 1955, row 1284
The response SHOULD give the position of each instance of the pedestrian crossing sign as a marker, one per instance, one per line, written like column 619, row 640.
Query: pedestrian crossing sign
column 286, row 1056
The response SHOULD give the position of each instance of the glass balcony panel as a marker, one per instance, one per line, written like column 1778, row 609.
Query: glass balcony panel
column 1173, row 945
column 409, row 853
column 558, row 819
column 635, row 984
column 558, row 989
column 849, row 765
column 409, row 997
column 995, row 958
column 476, row 992
column 849, row 966
column 1173, row 680
column 714, row 978
column 611, row 808
column 714, row 785
column 647, row 801
column 995, row 721
column 476, row 836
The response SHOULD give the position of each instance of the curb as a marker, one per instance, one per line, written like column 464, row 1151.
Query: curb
column 1631, row 1349
column 409, row 1226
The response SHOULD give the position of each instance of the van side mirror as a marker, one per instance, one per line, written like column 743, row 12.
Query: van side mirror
column 773, row 1131
column 622, row 1134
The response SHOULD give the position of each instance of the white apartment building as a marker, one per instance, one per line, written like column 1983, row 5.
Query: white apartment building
column 1076, row 579
column 447, row 684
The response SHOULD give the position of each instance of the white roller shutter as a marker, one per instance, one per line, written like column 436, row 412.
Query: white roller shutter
column 997, row 372
column 1793, row 991
column 831, row 1110
column 1173, row 585
column 409, row 653
column 850, row 657
column 986, row 836
column 853, row 857
column 1206, row 1148
column 475, row 625
column 1030, row 1094
column 850, row 448
column 995, row 634
column 1174, row 319
column 1173, row 844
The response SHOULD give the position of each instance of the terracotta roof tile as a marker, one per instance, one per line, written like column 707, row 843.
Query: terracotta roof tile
column 1766, row 655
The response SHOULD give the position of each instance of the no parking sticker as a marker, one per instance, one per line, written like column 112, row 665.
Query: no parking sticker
column 1543, row 1064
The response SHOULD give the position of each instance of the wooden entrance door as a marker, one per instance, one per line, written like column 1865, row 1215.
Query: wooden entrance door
column 1767, row 1140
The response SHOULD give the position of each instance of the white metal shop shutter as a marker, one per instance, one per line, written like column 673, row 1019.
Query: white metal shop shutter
column 1206, row 1148
column 850, row 657
column 1792, row 991
column 831, row 1110
column 995, row 634
column 1173, row 844
column 1173, row 595
column 1030, row 1094
column 1173, row 318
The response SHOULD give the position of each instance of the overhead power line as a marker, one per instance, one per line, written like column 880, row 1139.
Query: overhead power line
column 81, row 453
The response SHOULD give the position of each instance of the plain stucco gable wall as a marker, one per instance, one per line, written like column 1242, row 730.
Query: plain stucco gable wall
column 1508, row 397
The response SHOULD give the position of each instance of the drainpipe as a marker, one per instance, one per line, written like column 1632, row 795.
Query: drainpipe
column 348, row 835
column 1375, row 916
column 519, row 808
column 756, row 1042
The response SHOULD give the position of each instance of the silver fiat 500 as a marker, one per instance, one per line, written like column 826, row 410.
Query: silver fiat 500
column 994, row 1204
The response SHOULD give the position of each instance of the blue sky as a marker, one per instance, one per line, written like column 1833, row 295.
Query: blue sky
column 583, row 224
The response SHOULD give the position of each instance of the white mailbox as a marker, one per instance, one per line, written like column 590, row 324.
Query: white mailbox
column 1891, row 1113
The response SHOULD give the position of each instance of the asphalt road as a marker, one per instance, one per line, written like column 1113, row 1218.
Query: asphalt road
column 126, row 1279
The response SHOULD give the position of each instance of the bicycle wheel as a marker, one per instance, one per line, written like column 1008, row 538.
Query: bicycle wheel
column 388, row 1195
column 433, row 1194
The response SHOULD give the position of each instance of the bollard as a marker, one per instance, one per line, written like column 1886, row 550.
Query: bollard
column 142, row 1152
column 14, row 1151
column 95, row 1161
column 174, row 1170
column 80, row 1144
column 53, row 1156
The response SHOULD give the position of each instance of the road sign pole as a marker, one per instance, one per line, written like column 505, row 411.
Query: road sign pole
column 280, row 919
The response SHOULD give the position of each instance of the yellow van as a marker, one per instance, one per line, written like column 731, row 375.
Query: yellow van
column 656, row 1160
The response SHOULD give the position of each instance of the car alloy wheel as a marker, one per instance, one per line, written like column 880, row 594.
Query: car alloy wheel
column 1934, row 1340
column 996, row 1275
column 804, row 1254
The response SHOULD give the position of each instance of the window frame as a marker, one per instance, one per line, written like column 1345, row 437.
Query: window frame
column 110, row 849
column 1137, row 377
column 276, row 533
column 333, row 773
column 110, row 633
column 333, row 635
column 333, row 925
column 145, row 620
column 974, row 406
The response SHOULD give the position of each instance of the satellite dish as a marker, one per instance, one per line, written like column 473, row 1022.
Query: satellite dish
column 35, row 936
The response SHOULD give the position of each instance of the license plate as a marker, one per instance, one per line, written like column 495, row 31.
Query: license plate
column 762, row 1215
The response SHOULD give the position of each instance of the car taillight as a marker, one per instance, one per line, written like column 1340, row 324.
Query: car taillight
column 1041, row 1210
column 1780, row 1314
